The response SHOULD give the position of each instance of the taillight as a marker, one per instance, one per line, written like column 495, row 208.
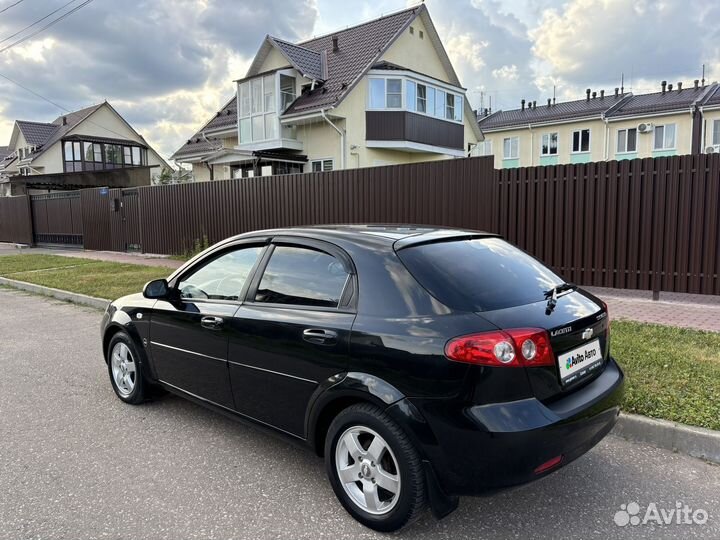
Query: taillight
column 517, row 347
column 607, row 317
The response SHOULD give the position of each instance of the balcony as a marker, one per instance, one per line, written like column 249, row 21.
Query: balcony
column 412, row 132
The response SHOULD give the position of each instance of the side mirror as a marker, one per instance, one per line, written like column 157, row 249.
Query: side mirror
column 156, row 289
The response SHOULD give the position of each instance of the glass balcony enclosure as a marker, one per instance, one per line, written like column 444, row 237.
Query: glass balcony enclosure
column 97, row 156
column 393, row 92
column 261, row 100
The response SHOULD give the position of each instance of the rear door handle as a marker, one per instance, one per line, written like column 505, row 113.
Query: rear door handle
column 211, row 323
column 320, row 336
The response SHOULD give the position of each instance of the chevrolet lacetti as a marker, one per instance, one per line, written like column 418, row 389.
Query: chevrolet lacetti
column 422, row 363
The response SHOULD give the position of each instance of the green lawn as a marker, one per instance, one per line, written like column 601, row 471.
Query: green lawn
column 671, row 373
column 94, row 278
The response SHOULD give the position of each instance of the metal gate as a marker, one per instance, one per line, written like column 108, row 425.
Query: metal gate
column 57, row 219
column 124, row 220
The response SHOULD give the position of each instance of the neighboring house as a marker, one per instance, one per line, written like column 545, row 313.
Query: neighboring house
column 379, row 93
column 601, row 127
column 87, row 148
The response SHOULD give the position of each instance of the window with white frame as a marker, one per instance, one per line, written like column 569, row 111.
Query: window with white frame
column 549, row 144
column 258, row 109
column 581, row 141
column 484, row 148
column 716, row 132
column 321, row 165
column 664, row 137
column 511, row 147
column 387, row 93
column 626, row 140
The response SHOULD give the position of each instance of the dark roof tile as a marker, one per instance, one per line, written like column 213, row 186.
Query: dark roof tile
column 674, row 100
column 567, row 110
column 36, row 133
column 307, row 61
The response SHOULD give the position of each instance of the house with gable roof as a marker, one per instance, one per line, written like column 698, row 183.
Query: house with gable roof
column 90, row 147
column 382, row 92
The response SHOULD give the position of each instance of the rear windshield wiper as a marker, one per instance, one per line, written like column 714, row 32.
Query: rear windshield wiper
column 552, row 294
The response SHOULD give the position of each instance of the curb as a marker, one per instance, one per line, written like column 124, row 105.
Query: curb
column 693, row 441
column 75, row 298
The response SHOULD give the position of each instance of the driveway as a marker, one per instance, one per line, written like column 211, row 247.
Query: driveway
column 77, row 463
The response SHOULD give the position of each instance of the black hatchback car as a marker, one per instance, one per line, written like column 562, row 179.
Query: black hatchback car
column 422, row 363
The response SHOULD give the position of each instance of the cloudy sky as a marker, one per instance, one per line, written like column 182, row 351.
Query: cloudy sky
column 167, row 65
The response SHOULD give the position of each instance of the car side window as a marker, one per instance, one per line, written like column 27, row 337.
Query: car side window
column 302, row 276
column 222, row 278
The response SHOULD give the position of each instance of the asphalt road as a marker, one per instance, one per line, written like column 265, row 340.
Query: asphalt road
column 77, row 463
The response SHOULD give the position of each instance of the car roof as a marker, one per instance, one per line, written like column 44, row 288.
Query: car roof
column 400, row 235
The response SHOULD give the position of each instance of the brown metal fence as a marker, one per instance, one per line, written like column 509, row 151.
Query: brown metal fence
column 15, row 220
column 640, row 224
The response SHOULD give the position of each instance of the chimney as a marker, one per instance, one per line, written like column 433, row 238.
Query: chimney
column 336, row 48
column 679, row 86
column 522, row 104
column 588, row 94
column 602, row 94
column 64, row 120
column 548, row 102
column 594, row 94
column 663, row 85
column 670, row 87
column 534, row 104
column 697, row 82
column 553, row 101
column 617, row 91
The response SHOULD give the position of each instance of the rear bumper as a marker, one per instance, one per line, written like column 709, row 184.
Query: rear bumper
column 480, row 449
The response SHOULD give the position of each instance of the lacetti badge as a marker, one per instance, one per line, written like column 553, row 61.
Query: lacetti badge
column 561, row 331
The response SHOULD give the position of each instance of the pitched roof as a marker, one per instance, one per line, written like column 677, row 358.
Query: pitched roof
column 309, row 63
column 226, row 117
column 36, row 133
column 4, row 152
column 359, row 47
column 660, row 102
column 568, row 110
column 62, row 125
column 713, row 96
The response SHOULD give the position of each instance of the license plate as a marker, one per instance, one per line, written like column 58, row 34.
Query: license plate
column 579, row 362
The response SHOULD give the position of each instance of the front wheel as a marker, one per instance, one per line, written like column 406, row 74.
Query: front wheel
column 125, row 369
column 374, row 469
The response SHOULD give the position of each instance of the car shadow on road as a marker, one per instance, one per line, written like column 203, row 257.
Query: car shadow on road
column 569, row 502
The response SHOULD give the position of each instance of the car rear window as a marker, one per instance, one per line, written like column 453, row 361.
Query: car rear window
column 479, row 274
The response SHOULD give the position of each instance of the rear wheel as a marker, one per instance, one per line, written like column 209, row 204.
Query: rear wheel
column 374, row 469
column 125, row 370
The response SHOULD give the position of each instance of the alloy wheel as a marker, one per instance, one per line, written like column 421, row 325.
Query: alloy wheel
column 123, row 369
column 368, row 470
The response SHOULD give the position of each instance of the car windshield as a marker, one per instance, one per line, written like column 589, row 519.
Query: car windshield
column 480, row 274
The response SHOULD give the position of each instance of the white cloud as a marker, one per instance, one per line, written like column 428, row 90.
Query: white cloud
column 509, row 73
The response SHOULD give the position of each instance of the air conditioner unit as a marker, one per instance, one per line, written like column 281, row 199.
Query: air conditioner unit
column 645, row 128
column 715, row 148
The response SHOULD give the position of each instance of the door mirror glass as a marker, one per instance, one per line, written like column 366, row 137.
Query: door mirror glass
column 158, row 288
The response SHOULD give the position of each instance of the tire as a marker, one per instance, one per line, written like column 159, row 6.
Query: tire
column 362, row 433
column 125, row 369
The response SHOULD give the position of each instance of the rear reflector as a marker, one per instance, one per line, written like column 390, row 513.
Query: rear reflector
column 549, row 464
column 516, row 347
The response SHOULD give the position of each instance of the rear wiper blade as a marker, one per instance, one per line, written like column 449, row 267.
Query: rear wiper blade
column 552, row 294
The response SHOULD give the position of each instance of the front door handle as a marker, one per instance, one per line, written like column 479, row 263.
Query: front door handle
column 320, row 336
column 211, row 323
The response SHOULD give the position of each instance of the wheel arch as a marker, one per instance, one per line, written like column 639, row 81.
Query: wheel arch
column 338, row 393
